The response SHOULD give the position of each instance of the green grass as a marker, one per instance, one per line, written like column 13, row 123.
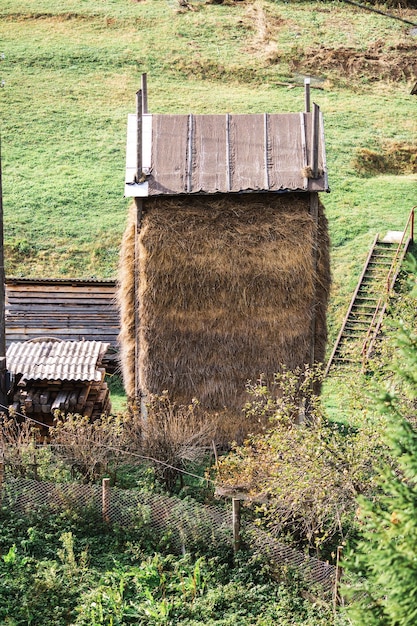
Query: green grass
column 71, row 70
column 117, row 393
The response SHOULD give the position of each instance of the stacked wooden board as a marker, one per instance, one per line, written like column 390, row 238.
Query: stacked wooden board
column 54, row 375
column 40, row 399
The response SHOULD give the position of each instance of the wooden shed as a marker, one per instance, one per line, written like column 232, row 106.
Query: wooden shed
column 224, row 268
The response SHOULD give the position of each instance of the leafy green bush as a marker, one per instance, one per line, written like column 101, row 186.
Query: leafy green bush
column 384, row 558
column 310, row 472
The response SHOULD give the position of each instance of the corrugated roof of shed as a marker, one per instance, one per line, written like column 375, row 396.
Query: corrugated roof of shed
column 56, row 360
column 207, row 154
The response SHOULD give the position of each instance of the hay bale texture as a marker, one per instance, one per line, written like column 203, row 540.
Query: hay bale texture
column 227, row 290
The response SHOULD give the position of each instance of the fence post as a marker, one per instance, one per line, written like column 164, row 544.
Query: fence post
column 337, row 599
column 105, row 499
column 236, row 524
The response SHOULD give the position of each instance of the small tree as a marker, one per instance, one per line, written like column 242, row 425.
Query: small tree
column 311, row 472
column 386, row 556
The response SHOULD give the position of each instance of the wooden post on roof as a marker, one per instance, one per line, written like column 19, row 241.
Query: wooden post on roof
column 139, row 112
column 315, row 141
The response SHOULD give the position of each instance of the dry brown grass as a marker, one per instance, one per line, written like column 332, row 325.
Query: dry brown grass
column 265, row 26
column 227, row 291
column 390, row 158
column 126, row 302
column 396, row 62
column 177, row 435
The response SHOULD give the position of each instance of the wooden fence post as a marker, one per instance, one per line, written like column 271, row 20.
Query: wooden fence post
column 337, row 599
column 105, row 500
column 236, row 524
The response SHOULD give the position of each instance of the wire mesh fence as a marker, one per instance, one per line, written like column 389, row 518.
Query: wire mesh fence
column 186, row 524
column 313, row 570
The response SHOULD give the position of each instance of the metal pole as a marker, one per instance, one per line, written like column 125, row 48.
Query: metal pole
column 139, row 111
column 307, row 93
column 3, row 370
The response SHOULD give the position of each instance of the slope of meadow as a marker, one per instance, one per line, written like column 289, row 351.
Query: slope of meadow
column 71, row 70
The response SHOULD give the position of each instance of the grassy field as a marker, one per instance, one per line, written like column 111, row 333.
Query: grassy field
column 71, row 70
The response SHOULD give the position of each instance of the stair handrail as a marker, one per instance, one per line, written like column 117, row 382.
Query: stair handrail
column 409, row 224
column 352, row 301
column 373, row 330
column 371, row 325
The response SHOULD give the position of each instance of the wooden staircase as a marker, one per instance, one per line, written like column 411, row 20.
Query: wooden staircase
column 365, row 314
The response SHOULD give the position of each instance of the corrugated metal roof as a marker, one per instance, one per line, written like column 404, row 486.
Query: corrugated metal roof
column 56, row 360
column 197, row 154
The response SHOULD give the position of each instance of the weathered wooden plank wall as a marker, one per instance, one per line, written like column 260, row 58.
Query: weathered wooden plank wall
column 71, row 310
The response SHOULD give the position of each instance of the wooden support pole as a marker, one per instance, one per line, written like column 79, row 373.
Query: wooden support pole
column 337, row 599
column 314, row 212
column 216, row 458
column 236, row 524
column 315, row 141
column 139, row 112
column 138, row 389
column 105, row 500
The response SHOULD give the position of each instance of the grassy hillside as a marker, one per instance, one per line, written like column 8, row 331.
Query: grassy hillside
column 71, row 70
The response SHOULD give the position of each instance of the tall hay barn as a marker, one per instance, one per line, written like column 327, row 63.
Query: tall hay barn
column 224, row 270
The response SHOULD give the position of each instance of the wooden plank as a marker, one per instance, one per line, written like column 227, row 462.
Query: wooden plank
column 53, row 288
column 82, row 398
column 53, row 298
column 59, row 401
column 44, row 397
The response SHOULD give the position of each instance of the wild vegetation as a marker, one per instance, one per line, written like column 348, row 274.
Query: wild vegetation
column 70, row 72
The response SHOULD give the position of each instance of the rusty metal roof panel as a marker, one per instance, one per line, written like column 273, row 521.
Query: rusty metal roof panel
column 197, row 154
column 56, row 360
column 209, row 163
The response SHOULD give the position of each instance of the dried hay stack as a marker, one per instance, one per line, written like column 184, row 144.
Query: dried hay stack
column 227, row 287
